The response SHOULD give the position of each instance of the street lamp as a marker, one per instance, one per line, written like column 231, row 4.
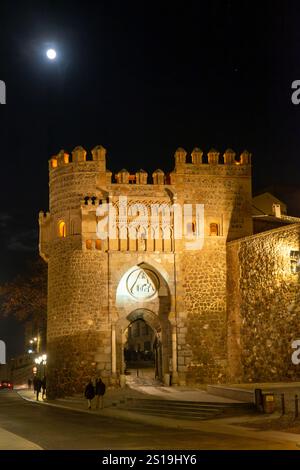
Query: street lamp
column 34, row 345
column 41, row 360
column 44, row 362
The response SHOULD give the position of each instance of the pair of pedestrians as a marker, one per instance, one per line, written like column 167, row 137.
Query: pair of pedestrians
column 98, row 390
column 38, row 386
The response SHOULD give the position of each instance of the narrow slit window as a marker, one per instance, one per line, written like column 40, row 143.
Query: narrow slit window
column 62, row 232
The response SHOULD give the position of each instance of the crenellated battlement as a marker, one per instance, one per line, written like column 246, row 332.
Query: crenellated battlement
column 78, row 156
column 44, row 216
column 213, row 157
column 197, row 162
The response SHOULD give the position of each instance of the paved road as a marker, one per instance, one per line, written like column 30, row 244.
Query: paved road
column 56, row 428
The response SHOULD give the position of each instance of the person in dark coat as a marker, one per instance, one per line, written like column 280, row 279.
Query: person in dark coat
column 35, row 379
column 44, row 387
column 29, row 383
column 100, row 391
column 38, row 388
column 89, row 393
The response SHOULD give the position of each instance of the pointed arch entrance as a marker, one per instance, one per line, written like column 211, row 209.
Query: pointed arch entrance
column 144, row 331
column 142, row 346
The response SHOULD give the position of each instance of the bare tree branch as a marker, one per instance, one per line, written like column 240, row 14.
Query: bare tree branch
column 25, row 297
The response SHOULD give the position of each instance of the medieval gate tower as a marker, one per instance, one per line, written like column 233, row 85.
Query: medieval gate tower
column 97, row 288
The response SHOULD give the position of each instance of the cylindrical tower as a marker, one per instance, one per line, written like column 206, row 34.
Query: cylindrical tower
column 77, row 294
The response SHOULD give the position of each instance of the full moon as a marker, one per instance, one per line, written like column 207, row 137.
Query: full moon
column 51, row 54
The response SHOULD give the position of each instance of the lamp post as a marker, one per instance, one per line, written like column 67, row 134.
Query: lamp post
column 33, row 345
column 41, row 360
column 44, row 361
column 38, row 362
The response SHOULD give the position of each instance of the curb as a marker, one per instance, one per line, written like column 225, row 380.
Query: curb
column 56, row 405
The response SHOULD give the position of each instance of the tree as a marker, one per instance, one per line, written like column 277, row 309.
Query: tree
column 25, row 297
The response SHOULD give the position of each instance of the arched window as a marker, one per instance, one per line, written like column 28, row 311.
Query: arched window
column 62, row 232
column 214, row 229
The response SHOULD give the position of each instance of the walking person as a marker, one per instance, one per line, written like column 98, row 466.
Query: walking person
column 44, row 387
column 38, row 388
column 89, row 393
column 29, row 383
column 35, row 380
column 100, row 391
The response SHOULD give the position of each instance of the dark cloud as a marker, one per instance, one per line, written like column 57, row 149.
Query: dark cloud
column 4, row 219
column 23, row 241
column 18, row 232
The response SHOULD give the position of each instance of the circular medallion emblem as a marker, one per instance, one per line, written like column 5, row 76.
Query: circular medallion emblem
column 142, row 284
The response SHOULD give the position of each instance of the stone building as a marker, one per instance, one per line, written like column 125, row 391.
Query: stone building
column 220, row 300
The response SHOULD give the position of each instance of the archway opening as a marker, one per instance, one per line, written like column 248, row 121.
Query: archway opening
column 142, row 352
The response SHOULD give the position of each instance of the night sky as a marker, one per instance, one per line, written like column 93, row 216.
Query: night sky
column 141, row 78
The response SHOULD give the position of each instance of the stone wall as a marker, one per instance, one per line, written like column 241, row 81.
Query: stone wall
column 204, row 291
column 263, row 306
column 225, row 192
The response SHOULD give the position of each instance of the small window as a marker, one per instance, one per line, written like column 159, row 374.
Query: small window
column 53, row 163
column 214, row 230
column 98, row 244
column 88, row 244
column 295, row 261
column 62, row 232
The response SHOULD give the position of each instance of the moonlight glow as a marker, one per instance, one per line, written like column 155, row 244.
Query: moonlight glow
column 51, row 54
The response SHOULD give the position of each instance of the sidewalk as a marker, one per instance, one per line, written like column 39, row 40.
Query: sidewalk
column 183, row 393
column 10, row 441
column 228, row 426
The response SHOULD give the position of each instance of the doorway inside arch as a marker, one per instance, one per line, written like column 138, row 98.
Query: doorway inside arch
column 142, row 353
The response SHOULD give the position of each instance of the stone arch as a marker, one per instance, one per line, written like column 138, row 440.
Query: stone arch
column 142, row 314
column 154, row 309
column 159, row 301
column 160, row 350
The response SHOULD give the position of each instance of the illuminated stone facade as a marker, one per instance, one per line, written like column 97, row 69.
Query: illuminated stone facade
column 263, row 305
column 97, row 288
